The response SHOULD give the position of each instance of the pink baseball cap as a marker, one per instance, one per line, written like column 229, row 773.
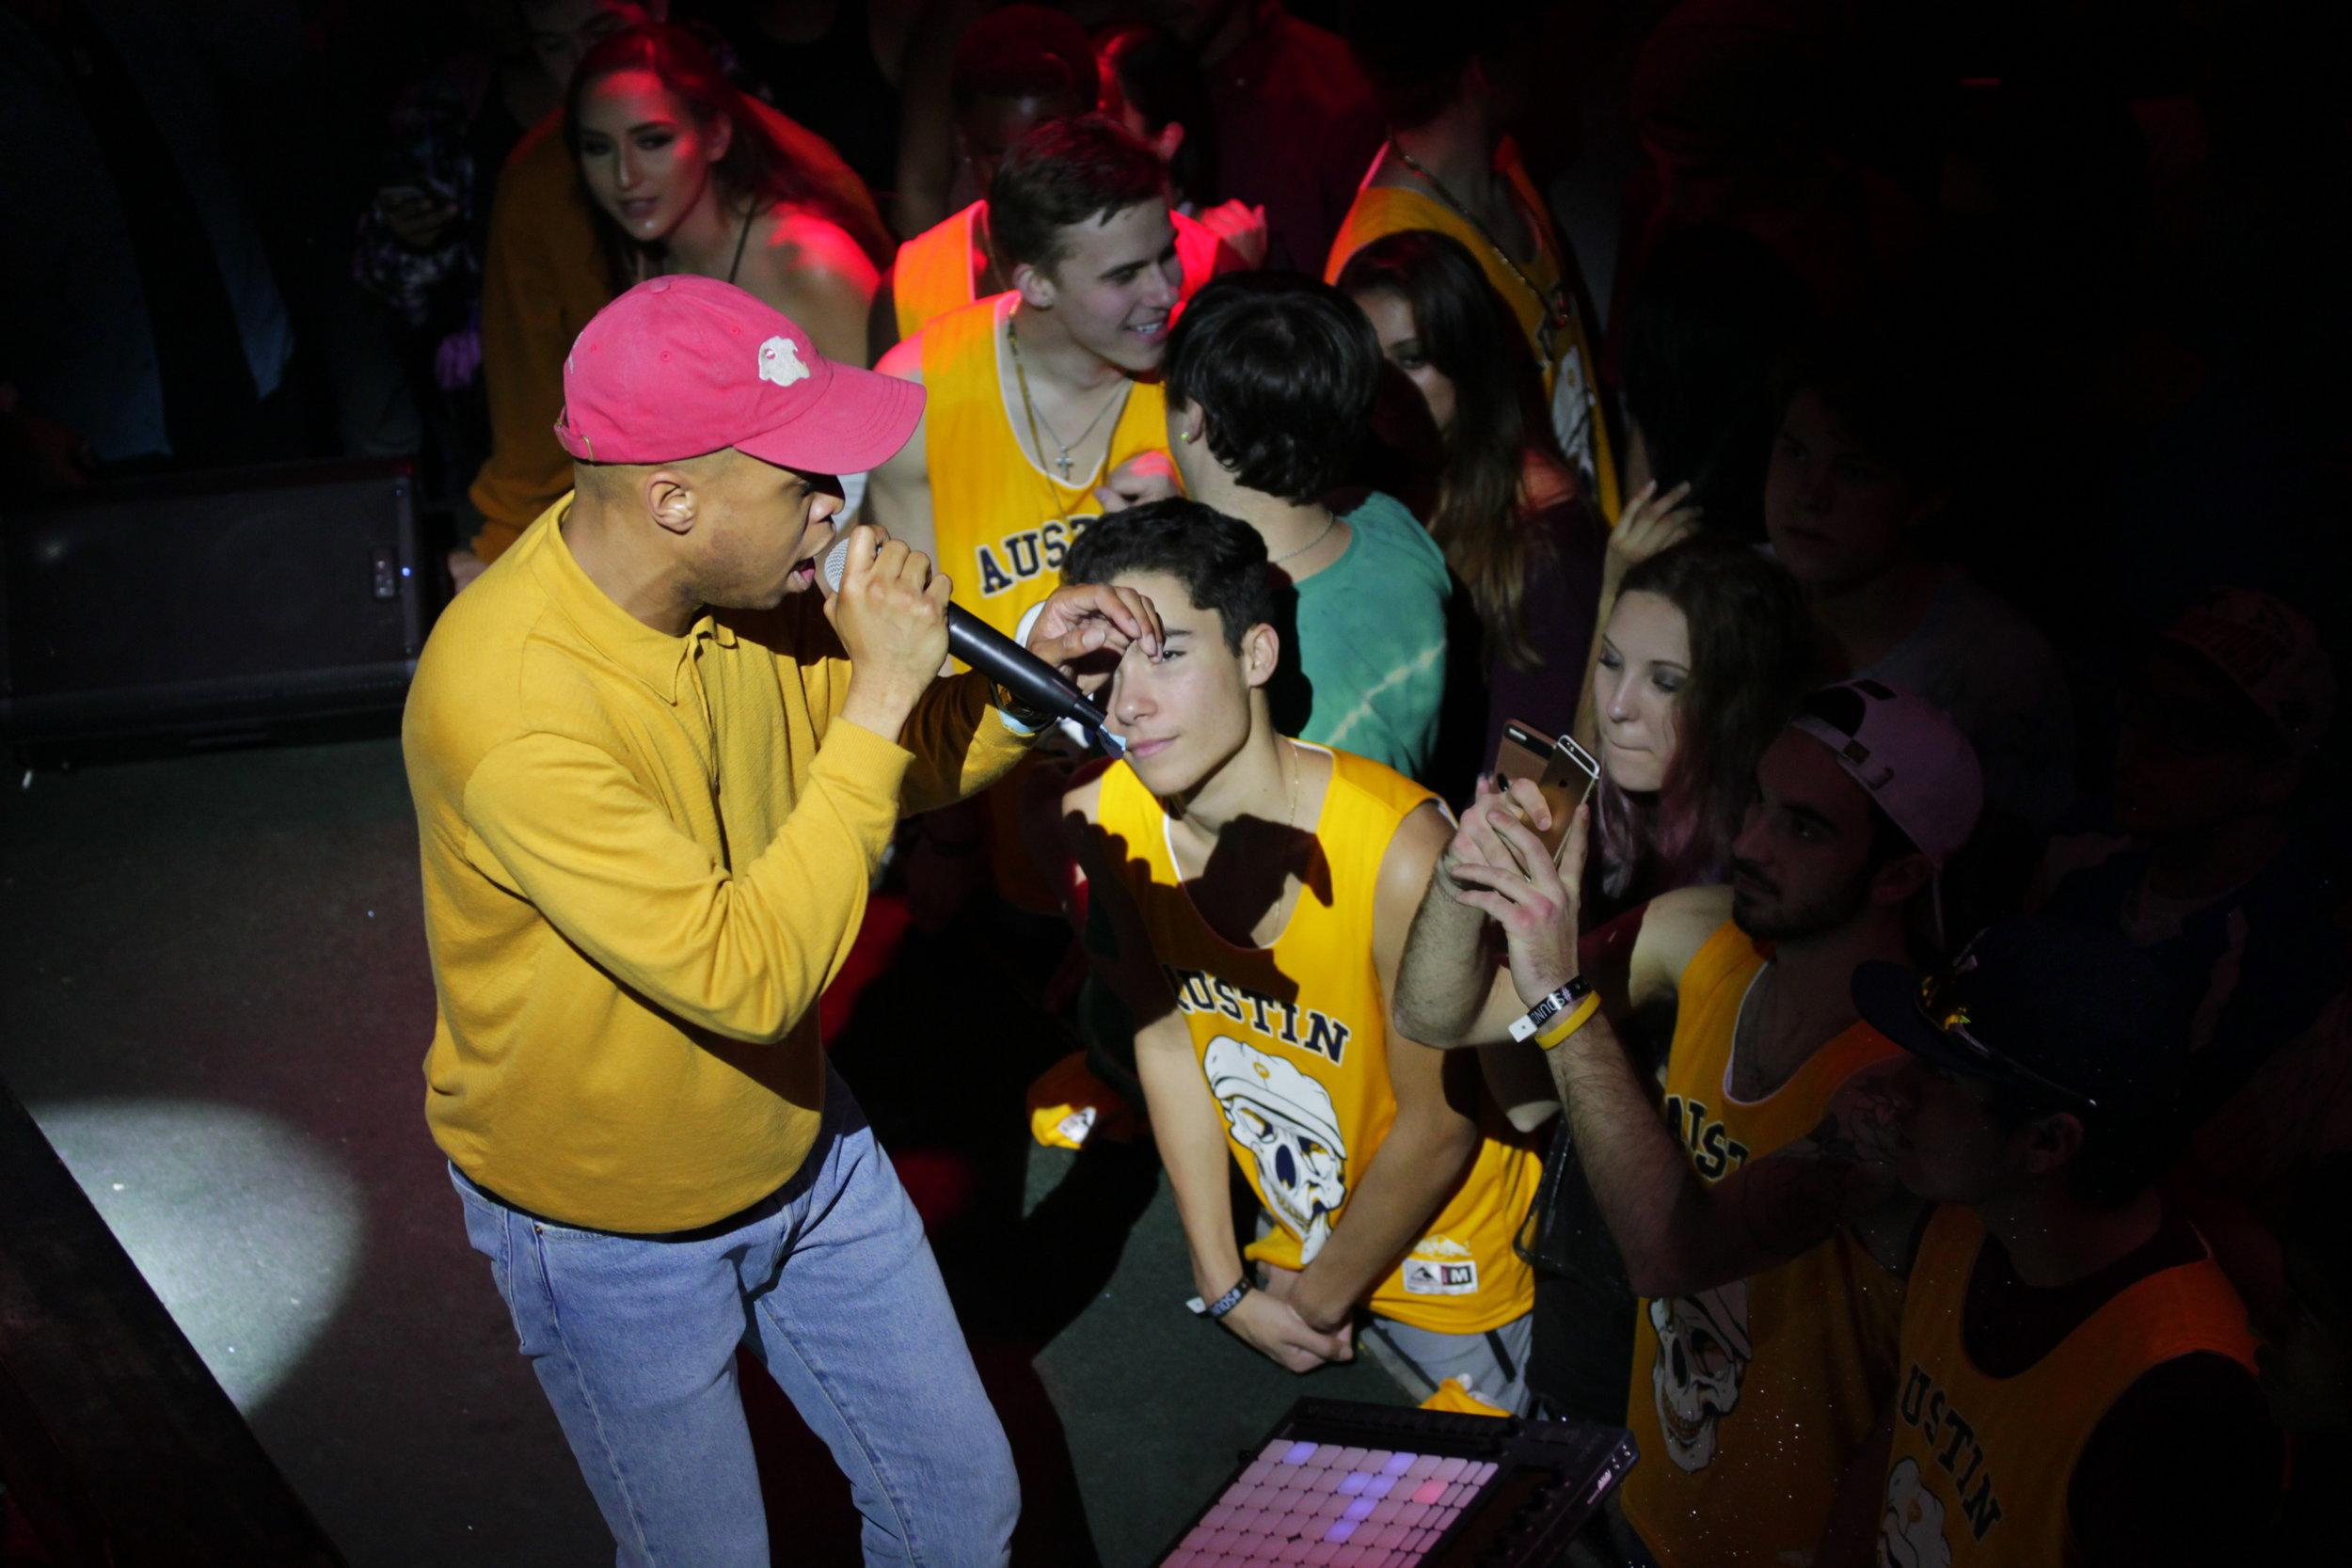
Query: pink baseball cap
column 678, row 366
column 1906, row 753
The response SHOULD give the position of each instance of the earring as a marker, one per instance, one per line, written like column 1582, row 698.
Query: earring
column 1187, row 436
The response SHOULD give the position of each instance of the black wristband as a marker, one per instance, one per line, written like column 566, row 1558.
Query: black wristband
column 1215, row 1311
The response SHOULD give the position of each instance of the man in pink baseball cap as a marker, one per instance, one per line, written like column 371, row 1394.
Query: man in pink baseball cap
column 1775, row 1090
column 655, row 768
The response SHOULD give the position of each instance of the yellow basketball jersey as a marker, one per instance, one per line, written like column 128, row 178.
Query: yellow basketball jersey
column 934, row 271
column 1748, row 1400
column 1978, row 1473
column 1001, row 523
column 1551, row 313
column 1293, row 1042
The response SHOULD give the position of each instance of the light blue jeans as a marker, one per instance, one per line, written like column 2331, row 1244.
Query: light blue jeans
column 830, row 1283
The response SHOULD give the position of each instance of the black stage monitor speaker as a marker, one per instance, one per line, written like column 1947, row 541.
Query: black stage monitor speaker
column 212, row 605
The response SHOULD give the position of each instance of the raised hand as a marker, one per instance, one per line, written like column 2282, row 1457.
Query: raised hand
column 1475, row 840
column 1241, row 227
column 1082, row 619
column 891, row 614
column 1649, row 523
column 1516, row 884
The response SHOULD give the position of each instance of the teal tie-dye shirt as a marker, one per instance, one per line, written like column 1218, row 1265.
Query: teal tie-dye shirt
column 1364, row 670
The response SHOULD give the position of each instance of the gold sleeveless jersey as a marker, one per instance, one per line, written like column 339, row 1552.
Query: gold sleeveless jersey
column 934, row 272
column 1980, row 1465
column 1001, row 523
column 1293, row 1042
column 1748, row 1400
column 1551, row 314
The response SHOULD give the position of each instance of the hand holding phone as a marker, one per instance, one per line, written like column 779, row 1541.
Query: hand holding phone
column 1563, row 771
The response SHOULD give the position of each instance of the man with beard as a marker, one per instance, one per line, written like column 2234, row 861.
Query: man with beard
column 1764, row 1346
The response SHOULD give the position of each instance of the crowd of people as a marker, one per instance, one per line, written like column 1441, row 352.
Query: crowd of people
column 1893, row 442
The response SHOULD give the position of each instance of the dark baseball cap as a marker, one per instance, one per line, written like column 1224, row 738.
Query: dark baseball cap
column 2064, row 1016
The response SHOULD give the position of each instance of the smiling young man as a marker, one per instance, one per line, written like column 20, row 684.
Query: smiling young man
column 1039, row 395
column 1014, row 70
column 1246, row 900
column 1764, row 1349
column 654, row 773
column 1040, row 413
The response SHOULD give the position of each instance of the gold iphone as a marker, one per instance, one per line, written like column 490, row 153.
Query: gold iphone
column 1564, row 772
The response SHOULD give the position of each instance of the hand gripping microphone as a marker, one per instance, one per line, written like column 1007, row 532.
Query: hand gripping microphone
column 1032, row 681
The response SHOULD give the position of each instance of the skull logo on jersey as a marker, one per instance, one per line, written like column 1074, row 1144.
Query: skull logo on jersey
column 1911, row 1530
column 1703, row 1352
column 1286, row 1122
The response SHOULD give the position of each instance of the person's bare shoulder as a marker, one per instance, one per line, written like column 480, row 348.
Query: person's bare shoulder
column 798, row 241
column 904, row 360
column 1082, row 798
column 1675, row 926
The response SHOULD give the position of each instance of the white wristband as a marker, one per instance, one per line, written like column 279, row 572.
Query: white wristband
column 1552, row 1007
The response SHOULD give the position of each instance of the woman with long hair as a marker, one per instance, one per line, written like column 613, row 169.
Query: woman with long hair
column 1518, row 532
column 1704, row 657
column 685, row 177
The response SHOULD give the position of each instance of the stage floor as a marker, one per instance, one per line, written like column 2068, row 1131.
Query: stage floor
column 215, row 1006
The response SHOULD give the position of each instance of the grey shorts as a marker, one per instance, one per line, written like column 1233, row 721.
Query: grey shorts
column 1493, row 1363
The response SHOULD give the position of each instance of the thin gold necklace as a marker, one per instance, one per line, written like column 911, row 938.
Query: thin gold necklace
column 1554, row 305
column 1021, row 374
column 1288, row 754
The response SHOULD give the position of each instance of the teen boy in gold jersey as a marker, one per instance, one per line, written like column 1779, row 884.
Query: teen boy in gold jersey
column 1039, row 405
column 1247, row 902
column 1039, row 414
column 2077, row 1379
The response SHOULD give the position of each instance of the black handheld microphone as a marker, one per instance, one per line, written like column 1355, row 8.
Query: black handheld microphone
column 1037, row 684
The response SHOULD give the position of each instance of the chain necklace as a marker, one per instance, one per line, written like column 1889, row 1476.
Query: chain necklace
column 1288, row 555
column 1021, row 373
column 1288, row 755
column 1554, row 305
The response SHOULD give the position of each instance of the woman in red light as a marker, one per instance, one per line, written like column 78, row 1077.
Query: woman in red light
column 685, row 179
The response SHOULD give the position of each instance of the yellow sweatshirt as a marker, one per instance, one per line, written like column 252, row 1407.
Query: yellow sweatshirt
column 645, row 857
